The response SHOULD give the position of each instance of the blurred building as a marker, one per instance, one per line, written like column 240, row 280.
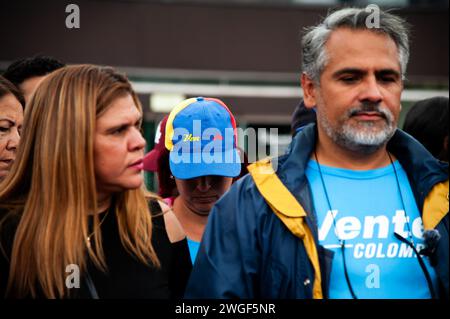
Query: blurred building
column 246, row 52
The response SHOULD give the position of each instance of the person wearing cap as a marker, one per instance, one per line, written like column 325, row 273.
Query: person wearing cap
column 200, row 139
column 157, row 161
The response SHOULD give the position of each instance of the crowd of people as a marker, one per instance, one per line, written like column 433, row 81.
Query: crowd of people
column 356, row 208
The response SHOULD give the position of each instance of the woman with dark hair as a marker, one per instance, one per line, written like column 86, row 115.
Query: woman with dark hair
column 11, row 118
column 74, row 202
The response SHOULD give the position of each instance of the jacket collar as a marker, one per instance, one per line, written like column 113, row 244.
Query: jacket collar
column 424, row 171
column 292, row 166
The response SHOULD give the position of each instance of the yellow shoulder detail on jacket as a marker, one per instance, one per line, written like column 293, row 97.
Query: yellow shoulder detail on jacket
column 289, row 211
column 268, row 184
column 435, row 206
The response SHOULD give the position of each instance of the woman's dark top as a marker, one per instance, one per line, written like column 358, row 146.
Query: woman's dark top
column 126, row 276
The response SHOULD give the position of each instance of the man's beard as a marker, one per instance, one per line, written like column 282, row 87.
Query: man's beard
column 361, row 136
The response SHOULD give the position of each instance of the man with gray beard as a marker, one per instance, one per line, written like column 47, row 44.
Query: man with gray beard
column 357, row 208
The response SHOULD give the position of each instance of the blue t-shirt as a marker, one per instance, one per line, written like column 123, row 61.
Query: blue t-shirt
column 368, row 209
column 193, row 248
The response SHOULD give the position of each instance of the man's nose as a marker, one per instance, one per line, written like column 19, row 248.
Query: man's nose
column 371, row 91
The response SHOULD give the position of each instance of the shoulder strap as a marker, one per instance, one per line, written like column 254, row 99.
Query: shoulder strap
column 154, row 206
column 289, row 211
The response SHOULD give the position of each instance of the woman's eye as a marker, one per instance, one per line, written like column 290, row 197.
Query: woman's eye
column 120, row 130
column 139, row 127
column 4, row 129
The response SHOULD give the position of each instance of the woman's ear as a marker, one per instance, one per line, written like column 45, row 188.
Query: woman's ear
column 309, row 91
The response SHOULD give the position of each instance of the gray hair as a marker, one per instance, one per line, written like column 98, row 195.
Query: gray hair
column 313, row 43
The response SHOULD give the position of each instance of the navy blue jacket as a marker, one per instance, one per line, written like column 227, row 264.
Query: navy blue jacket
column 247, row 252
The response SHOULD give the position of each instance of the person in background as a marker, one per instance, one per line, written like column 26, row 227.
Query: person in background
column 194, row 133
column 157, row 161
column 301, row 117
column 427, row 121
column 26, row 74
column 74, row 203
column 11, row 118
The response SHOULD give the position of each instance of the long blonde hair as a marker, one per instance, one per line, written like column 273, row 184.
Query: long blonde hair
column 52, row 184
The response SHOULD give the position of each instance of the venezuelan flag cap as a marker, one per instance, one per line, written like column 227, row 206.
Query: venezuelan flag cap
column 202, row 139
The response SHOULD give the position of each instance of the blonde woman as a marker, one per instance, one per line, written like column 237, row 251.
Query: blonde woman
column 76, row 222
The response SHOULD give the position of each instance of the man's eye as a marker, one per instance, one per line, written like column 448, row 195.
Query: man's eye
column 348, row 79
column 4, row 129
column 388, row 79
